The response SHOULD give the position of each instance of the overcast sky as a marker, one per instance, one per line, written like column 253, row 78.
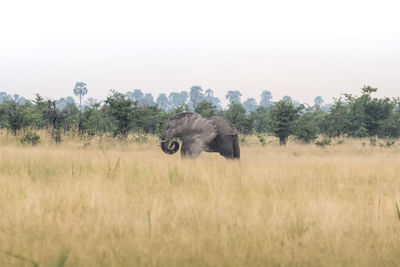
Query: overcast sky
column 297, row 48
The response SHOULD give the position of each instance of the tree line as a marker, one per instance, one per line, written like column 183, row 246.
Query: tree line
column 120, row 114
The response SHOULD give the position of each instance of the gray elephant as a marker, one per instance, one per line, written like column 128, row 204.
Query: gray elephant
column 214, row 134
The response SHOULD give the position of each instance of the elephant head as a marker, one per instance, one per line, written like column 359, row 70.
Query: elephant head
column 192, row 129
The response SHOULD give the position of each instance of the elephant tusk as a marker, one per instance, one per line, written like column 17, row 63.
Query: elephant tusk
column 163, row 141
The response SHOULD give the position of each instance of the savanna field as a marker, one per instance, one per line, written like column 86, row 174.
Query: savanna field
column 110, row 202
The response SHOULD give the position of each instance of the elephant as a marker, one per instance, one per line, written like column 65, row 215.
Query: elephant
column 197, row 133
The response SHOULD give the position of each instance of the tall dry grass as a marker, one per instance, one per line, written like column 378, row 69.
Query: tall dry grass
column 120, row 203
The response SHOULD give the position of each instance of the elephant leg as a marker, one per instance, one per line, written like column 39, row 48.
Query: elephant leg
column 225, row 145
column 184, row 150
column 191, row 148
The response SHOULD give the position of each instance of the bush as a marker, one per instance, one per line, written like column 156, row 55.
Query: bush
column 388, row 143
column 340, row 142
column 305, row 129
column 282, row 117
column 30, row 138
column 324, row 142
column 261, row 139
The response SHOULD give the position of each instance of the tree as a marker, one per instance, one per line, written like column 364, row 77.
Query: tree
column 120, row 108
column 287, row 99
column 250, row 105
column 209, row 96
column 205, row 108
column 96, row 119
column 376, row 110
column 196, row 96
column 72, row 117
column 38, row 112
column 18, row 115
column 148, row 100
column 266, row 97
column 163, row 102
column 260, row 119
column 55, row 118
column 305, row 127
column 4, row 97
column 366, row 114
column 282, row 117
column 64, row 102
column 237, row 115
column 136, row 95
column 19, row 99
column 336, row 122
column 80, row 90
column 147, row 119
column 391, row 125
column 318, row 101
column 61, row 103
column 91, row 101
column 181, row 108
column 177, row 99
column 70, row 100
column 233, row 97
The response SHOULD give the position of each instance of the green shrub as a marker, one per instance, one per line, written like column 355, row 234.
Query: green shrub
column 30, row 138
column 390, row 143
column 324, row 142
column 261, row 139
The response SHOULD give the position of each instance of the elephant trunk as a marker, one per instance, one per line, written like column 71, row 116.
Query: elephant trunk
column 169, row 147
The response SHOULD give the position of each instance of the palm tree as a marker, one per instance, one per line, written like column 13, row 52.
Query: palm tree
column 80, row 90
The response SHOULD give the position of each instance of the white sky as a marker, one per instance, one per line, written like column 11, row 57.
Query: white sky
column 298, row 48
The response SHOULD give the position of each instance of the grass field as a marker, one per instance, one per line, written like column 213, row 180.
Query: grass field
column 115, row 203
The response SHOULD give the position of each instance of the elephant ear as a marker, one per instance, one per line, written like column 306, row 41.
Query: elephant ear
column 223, row 126
column 201, row 130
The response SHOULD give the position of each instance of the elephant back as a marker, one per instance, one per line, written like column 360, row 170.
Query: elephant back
column 224, row 127
column 193, row 126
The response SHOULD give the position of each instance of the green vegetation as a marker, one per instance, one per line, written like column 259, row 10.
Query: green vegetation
column 31, row 138
column 135, row 112
column 282, row 118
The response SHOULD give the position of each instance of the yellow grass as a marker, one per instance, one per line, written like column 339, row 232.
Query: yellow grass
column 114, row 203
